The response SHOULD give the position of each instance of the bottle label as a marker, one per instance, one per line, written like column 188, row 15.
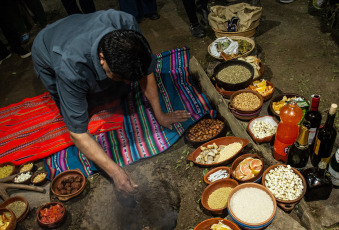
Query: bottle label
column 327, row 160
column 316, row 146
column 311, row 135
column 299, row 146
column 334, row 176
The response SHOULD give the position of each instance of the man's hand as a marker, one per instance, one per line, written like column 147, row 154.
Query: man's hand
column 124, row 183
column 167, row 119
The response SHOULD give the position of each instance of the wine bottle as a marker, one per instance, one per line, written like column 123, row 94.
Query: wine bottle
column 325, row 139
column 333, row 169
column 299, row 152
column 314, row 117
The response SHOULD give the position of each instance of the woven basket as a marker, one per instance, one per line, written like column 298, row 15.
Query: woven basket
column 248, row 33
column 235, row 38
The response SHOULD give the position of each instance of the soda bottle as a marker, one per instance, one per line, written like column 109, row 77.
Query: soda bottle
column 288, row 130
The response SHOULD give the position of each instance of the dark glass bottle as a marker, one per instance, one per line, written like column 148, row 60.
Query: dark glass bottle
column 314, row 117
column 325, row 139
column 318, row 181
column 333, row 169
column 299, row 152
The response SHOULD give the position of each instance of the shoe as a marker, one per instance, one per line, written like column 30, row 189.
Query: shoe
column 153, row 16
column 22, row 52
column 5, row 56
column 197, row 31
column 24, row 38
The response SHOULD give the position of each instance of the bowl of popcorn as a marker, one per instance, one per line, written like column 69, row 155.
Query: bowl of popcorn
column 262, row 129
column 286, row 184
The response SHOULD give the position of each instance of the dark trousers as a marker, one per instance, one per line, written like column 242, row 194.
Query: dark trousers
column 191, row 10
column 138, row 8
column 87, row 6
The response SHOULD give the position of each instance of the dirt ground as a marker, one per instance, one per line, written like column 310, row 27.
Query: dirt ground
column 298, row 58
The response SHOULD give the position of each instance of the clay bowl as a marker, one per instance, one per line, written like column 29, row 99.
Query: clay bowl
column 66, row 175
column 58, row 222
column 7, row 164
column 43, row 179
column 196, row 144
column 12, row 221
column 232, row 106
column 13, row 199
column 206, row 224
column 219, row 141
column 243, row 224
column 287, row 205
column 28, row 166
column 268, row 96
column 237, row 86
column 246, row 116
column 226, row 94
column 268, row 119
column 280, row 97
column 228, row 171
column 236, row 162
column 27, row 181
column 224, row 183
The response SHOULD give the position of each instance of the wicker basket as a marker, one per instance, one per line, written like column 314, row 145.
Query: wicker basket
column 248, row 33
column 235, row 38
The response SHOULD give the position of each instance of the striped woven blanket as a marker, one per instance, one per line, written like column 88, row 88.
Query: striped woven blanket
column 141, row 136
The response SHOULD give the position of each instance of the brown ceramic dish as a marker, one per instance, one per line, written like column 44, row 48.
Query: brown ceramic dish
column 236, row 162
column 28, row 165
column 287, row 205
column 219, row 141
column 228, row 170
column 42, row 181
column 12, row 221
column 10, row 164
column 224, row 183
column 206, row 224
column 226, row 94
column 269, row 119
column 13, row 199
column 27, row 181
column 56, row 223
column 66, row 175
column 242, row 111
column 245, row 116
column 268, row 96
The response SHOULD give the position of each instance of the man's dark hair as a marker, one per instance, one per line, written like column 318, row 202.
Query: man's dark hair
column 127, row 53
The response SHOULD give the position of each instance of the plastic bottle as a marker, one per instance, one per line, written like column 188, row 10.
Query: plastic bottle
column 288, row 130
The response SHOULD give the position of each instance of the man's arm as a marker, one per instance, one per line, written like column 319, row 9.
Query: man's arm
column 149, row 87
column 93, row 151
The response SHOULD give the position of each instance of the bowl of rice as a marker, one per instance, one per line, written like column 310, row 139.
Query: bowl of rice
column 216, row 224
column 251, row 206
column 215, row 196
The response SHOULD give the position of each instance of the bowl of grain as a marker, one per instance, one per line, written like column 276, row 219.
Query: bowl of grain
column 214, row 197
column 217, row 223
column 247, row 168
column 39, row 177
column 218, row 151
column 7, row 169
column 218, row 173
column 262, row 129
column 251, row 206
column 246, row 101
column 28, row 166
column 286, row 184
column 18, row 205
column 233, row 75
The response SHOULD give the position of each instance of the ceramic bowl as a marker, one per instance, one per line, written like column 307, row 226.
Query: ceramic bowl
column 236, row 162
column 12, row 220
column 54, row 224
column 286, row 205
column 221, row 133
column 243, row 224
column 27, row 181
column 206, row 224
column 268, row 96
column 246, row 116
column 268, row 119
column 226, row 94
column 219, row 141
column 224, row 183
column 61, row 180
column 39, row 181
column 9, row 172
column 228, row 171
column 28, row 166
column 232, row 106
column 14, row 199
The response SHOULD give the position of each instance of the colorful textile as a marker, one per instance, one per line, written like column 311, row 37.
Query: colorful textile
column 141, row 136
column 33, row 129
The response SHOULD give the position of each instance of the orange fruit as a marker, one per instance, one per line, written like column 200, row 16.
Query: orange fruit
column 256, row 166
column 245, row 169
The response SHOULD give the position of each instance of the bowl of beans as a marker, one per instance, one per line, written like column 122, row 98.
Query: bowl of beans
column 215, row 196
column 39, row 177
column 205, row 130
column 246, row 102
column 233, row 75
column 251, row 206
column 23, row 178
column 6, row 169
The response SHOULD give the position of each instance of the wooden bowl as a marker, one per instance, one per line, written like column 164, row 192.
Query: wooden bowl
column 268, row 96
column 206, row 224
column 221, row 133
column 224, row 183
column 14, row 199
column 236, row 162
column 9, row 172
column 287, row 205
column 66, row 175
column 226, row 94
column 28, row 166
column 57, row 223
column 246, row 225
column 219, row 141
column 243, row 111
column 27, row 181
column 12, row 221
column 268, row 119
column 245, row 116
column 42, row 181
column 228, row 171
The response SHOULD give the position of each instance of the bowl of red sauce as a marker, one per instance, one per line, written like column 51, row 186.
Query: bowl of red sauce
column 51, row 215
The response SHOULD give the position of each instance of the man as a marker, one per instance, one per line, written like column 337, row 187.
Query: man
column 85, row 58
